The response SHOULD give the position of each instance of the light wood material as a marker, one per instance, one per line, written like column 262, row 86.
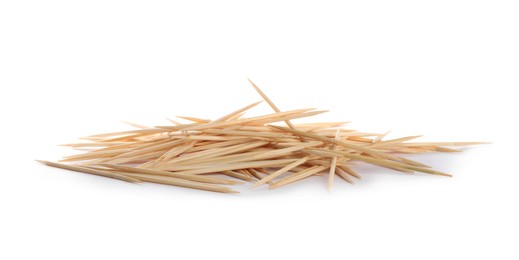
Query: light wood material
column 205, row 154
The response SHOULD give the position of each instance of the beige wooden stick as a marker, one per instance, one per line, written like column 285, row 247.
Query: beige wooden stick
column 349, row 171
column 195, row 119
column 238, row 175
column 279, row 172
column 136, row 125
column 298, row 176
column 190, row 177
column 394, row 141
column 180, row 182
column 239, row 111
column 91, row 171
column 380, row 137
column 344, row 175
column 271, row 104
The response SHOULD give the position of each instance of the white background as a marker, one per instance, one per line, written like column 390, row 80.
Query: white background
column 445, row 69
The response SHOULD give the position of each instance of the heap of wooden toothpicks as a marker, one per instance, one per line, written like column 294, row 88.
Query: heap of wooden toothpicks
column 264, row 150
